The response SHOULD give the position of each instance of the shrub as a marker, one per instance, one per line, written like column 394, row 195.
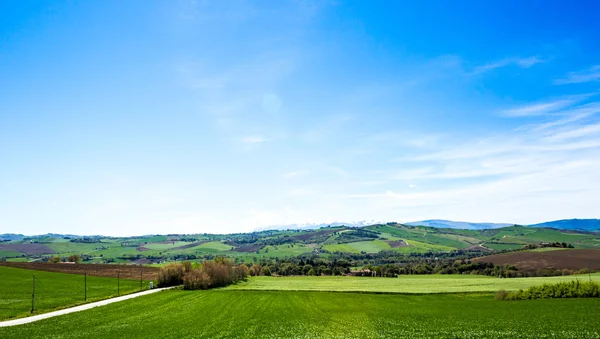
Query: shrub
column 267, row 271
column 571, row 289
column 196, row 279
column 76, row 258
column 501, row 295
column 187, row 266
column 171, row 275
column 55, row 260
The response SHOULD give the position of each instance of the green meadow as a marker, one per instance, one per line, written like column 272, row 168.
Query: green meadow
column 53, row 290
column 404, row 284
column 276, row 314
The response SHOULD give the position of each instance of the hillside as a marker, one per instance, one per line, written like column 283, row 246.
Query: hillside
column 557, row 259
column 457, row 224
column 572, row 224
column 323, row 242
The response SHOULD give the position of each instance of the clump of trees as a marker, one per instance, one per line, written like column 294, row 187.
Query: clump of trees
column 219, row 272
column 571, row 289
column 548, row 244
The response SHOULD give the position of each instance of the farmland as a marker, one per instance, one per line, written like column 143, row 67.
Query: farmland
column 269, row 314
column 269, row 245
column 547, row 259
column 403, row 284
column 53, row 290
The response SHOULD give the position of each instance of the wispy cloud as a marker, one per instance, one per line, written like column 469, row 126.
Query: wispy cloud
column 588, row 75
column 519, row 62
column 538, row 108
column 539, row 165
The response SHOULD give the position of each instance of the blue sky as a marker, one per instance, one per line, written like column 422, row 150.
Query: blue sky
column 135, row 117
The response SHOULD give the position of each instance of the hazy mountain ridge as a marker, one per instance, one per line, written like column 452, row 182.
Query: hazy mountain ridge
column 440, row 223
column 572, row 224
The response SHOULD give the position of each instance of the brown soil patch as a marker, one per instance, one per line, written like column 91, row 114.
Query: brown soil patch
column 397, row 243
column 248, row 248
column 142, row 249
column 194, row 244
column 101, row 270
column 480, row 248
column 309, row 235
column 559, row 259
column 27, row 248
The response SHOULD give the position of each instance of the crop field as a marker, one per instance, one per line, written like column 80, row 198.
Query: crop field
column 534, row 260
column 372, row 246
column 403, row 284
column 53, row 290
column 268, row 314
column 101, row 270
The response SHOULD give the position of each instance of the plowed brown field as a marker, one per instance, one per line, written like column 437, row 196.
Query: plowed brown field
column 559, row 259
column 101, row 270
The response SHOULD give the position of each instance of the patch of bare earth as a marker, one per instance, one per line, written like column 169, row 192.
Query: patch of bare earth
column 101, row 270
column 27, row 248
column 248, row 248
column 532, row 261
column 397, row 243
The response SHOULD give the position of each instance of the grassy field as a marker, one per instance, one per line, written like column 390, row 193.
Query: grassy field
column 53, row 290
column 265, row 314
column 372, row 246
column 403, row 284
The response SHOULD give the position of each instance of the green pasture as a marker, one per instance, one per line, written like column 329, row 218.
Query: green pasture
column 53, row 290
column 372, row 246
column 434, row 283
column 269, row 314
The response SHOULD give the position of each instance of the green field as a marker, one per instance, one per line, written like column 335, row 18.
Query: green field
column 53, row 290
column 403, row 284
column 267, row 314
column 372, row 246
column 285, row 244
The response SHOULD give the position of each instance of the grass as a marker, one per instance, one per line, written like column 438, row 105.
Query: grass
column 403, row 284
column 264, row 314
column 282, row 251
column 166, row 246
column 53, row 290
column 7, row 253
column 547, row 249
column 372, row 246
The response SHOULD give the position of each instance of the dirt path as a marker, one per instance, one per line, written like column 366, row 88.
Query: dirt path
column 39, row 317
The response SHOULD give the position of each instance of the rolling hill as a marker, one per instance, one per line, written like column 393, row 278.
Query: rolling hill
column 270, row 244
column 439, row 223
column 572, row 224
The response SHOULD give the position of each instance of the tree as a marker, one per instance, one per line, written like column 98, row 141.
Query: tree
column 266, row 271
column 76, row 258
column 311, row 272
column 55, row 260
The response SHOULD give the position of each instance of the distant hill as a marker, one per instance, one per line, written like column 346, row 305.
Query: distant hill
column 438, row 223
column 313, row 226
column 572, row 224
column 11, row 236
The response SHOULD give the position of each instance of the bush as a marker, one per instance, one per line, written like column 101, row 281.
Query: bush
column 571, row 289
column 267, row 271
column 501, row 295
column 171, row 275
column 76, row 258
column 216, row 273
column 196, row 280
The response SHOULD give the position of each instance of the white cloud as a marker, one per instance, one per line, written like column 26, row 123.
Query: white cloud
column 520, row 62
column 588, row 75
column 538, row 108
